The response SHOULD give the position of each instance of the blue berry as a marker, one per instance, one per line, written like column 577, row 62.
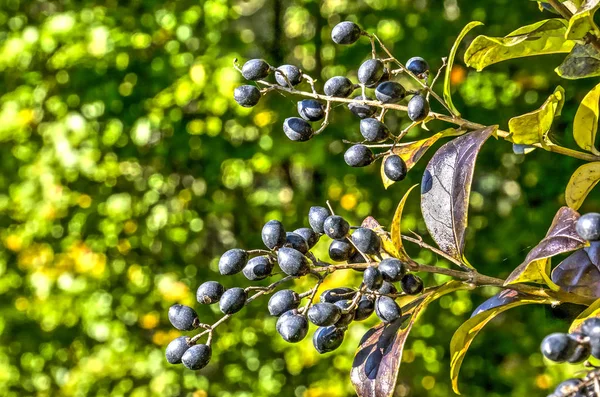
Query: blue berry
column 209, row 292
column 176, row 349
column 345, row 33
column 184, row 318
column 233, row 261
column 197, row 357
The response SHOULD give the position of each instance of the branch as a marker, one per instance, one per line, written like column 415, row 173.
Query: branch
column 463, row 123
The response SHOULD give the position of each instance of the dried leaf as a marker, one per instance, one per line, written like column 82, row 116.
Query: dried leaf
column 386, row 241
column 533, row 127
column 446, row 188
column 582, row 62
column 396, row 228
column 377, row 360
column 411, row 152
column 561, row 238
column 581, row 184
column 447, row 78
column 464, row 335
column 543, row 37
column 579, row 273
column 585, row 124
column 583, row 20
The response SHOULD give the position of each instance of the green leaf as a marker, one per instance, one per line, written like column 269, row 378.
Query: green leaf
column 583, row 20
column 561, row 238
column 464, row 335
column 447, row 91
column 544, row 37
column 533, row 127
column 396, row 228
column 582, row 62
column 411, row 152
column 446, row 188
column 585, row 125
column 581, row 184
column 377, row 361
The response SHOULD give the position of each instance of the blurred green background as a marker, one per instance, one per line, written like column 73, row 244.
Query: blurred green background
column 127, row 169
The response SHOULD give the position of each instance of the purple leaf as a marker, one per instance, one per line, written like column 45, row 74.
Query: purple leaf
column 579, row 273
column 377, row 360
column 446, row 188
column 561, row 238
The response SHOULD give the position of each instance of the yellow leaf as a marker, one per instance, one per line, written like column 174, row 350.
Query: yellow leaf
column 581, row 183
column 396, row 228
column 585, row 125
column 592, row 311
column 583, row 20
column 533, row 127
column 543, row 37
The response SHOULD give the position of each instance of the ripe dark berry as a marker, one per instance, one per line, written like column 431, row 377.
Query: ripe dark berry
column 390, row 92
column 558, row 347
column 337, row 294
column 418, row 108
column 372, row 278
column 392, row 269
column 395, row 168
column 588, row 226
column 258, row 268
column 346, row 318
column 327, row 339
column 417, row 65
column 387, row 288
column 411, row 284
column 357, row 257
column 582, row 350
column 184, row 318
column 361, row 110
column 359, row 156
column 233, row 261
column 345, row 33
column 338, row 86
column 209, row 292
column 591, row 327
column 340, row 250
column 292, row 327
column 324, row 314
column 595, row 347
column 309, row 235
column 568, row 388
column 311, row 110
column 293, row 74
column 296, row 241
column 336, row 227
column 197, row 357
column 297, row 129
column 385, row 77
column 370, row 72
column 316, row 218
column 292, row 262
column 374, row 130
column 283, row 301
column 364, row 309
column 273, row 234
column 255, row 69
column 176, row 349
column 366, row 240
column 246, row 95
column 387, row 309
column 233, row 300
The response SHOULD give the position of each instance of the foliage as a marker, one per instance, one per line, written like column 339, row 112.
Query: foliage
column 126, row 163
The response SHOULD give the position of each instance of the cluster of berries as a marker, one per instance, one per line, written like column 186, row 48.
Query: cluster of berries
column 573, row 348
column 374, row 74
column 291, row 253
